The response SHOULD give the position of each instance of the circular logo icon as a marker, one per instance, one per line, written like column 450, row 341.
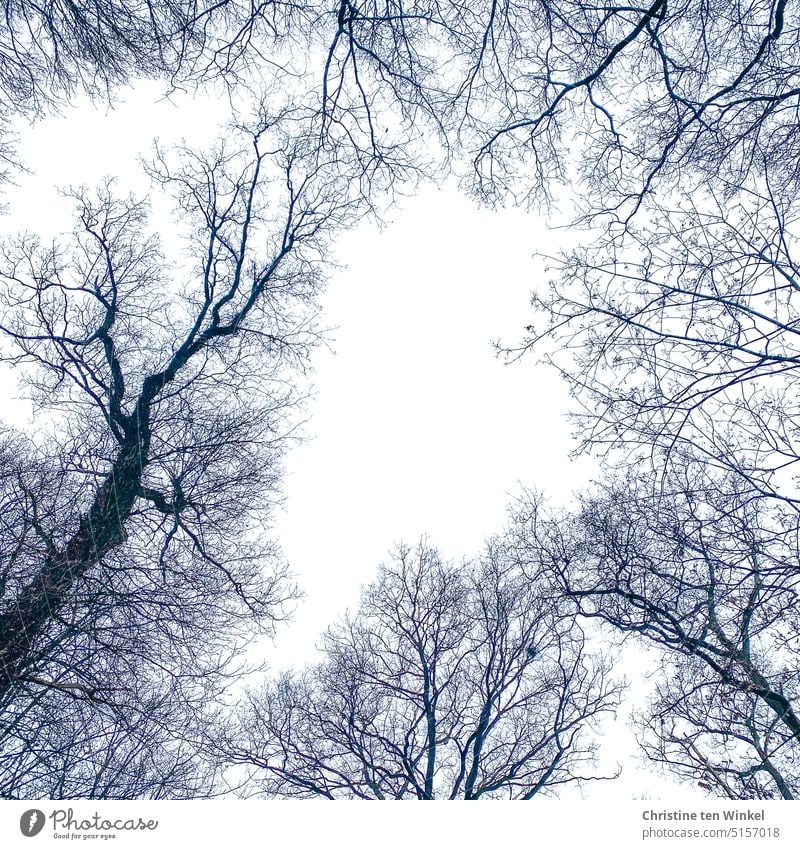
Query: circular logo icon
column 31, row 822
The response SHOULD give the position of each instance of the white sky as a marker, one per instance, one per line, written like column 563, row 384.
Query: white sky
column 416, row 427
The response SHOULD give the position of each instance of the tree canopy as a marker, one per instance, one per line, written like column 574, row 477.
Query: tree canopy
column 135, row 557
column 450, row 681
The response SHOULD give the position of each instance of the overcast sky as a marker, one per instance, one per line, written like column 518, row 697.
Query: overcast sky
column 416, row 427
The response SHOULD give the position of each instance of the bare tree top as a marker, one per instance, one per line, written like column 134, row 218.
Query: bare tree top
column 449, row 682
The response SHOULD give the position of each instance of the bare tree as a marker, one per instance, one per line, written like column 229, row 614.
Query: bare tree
column 646, row 94
column 643, row 95
column 452, row 682
column 131, row 520
column 53, row 50
column 674, row 326
column 290, row 53
column 134, row 558
column 50, row 49
column 679, row 337
column 708, row 573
